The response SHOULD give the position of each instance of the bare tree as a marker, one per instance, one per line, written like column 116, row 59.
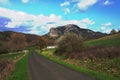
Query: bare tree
column 17, row 42
column 42, row 43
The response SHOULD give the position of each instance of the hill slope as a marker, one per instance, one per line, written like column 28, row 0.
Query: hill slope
column 9, row 39
column 111, row 40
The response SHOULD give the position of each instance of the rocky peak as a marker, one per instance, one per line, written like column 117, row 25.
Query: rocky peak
column 85, row 33
column 54, row 32
column 71, row 28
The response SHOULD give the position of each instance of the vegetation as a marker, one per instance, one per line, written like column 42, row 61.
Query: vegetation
column 100, row 57
column 78, row 65
column 13, row 41
column 7, row 62
column 17, row 42
column 21, row 70
column 6, row 66
column 42, row 43
column 112, row 40
column 113, row 31
column 10, row 56
column 69, row 43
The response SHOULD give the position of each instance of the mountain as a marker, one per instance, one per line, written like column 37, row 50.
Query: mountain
column 85, row 33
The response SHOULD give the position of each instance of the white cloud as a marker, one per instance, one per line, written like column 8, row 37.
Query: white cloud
column 66, row 11
column 66, row 3
column 25, row 1
column 107, row 30
column 81, row 23
column 39, row 23
column 103, row 28
column 17, row 17
column 4, row 2
column 85, row 4
column 106, row 27
column 88, row 21
column 107, row 2
column 107, row 24
column 78, row 5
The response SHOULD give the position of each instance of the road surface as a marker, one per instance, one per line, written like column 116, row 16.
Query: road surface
column 41, row 68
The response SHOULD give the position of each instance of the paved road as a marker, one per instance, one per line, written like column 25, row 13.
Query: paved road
column 41, row 68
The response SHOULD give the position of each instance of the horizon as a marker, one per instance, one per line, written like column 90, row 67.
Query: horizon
column 38, row 16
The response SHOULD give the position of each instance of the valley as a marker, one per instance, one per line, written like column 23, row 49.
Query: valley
column 29, row 58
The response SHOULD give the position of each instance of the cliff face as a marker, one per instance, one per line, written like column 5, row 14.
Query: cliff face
column 54, row 32
column 85, row 33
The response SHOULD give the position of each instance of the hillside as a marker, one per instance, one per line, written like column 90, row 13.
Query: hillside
column 13, row 41
column 111, row 40
column 85, row 33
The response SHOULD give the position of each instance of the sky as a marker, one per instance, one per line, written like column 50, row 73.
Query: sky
column 38, row 16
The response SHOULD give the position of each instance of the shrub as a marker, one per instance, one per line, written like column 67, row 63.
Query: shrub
column 6, row 66
column 69, row 43
column 98, row 52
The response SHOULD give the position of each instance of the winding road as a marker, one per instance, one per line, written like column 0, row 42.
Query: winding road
column 41, row 68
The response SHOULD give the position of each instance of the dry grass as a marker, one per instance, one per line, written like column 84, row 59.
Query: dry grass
column 6, row 66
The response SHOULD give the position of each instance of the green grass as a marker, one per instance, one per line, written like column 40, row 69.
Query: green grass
column 112, row 40
column 10, row 56
column 21, row 70
column 99, row 76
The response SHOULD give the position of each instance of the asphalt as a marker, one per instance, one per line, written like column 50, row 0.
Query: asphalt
column 41, row 68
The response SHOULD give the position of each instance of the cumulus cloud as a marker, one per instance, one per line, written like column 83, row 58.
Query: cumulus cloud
column 107, row 2
column 65, row 7
column 39, row 24
column 88, row 21
column 107, row 24
column 25, row 1
column 17, row 17
column 79, row 5
column 106, row 27
column 66, row 11
column 107, row 30
column 66, row 3
column 85, row 4
column 4, row 2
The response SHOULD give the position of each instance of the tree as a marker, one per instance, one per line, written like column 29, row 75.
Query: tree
column 69, row 43
column 42, row 43
column 119, row 31
column 113, row 31
column 17, row 42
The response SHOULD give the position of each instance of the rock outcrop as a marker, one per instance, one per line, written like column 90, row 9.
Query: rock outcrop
column 71, row 28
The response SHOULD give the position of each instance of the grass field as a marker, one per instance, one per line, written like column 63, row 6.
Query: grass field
column 74, row 64
column 112, row 40
column 20, row 71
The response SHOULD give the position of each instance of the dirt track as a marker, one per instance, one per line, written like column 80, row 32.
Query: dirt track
column 41, row 68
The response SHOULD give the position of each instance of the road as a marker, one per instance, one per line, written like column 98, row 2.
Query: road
column 41, row 68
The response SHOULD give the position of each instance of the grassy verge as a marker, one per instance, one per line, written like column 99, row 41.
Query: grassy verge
column 112, row 40
column 21, row 70
column 99, row 76
column 10, row 55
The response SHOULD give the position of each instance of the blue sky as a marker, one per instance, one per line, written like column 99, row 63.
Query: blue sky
column 38, row 16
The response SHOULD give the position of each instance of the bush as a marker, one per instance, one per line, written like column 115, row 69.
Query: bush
column 69, row 43
column 98, row 52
